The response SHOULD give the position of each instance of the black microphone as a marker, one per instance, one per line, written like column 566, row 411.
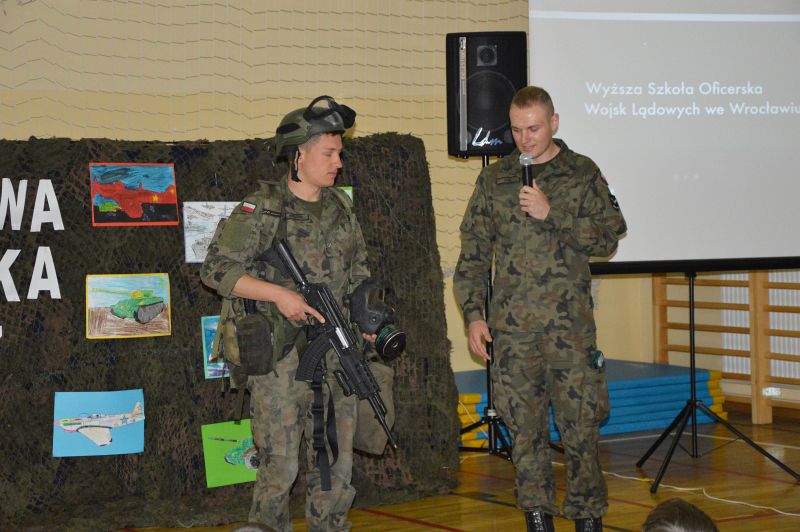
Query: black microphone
column 526, row 161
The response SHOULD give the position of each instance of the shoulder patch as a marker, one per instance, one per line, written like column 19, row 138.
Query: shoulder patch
column 247, row 208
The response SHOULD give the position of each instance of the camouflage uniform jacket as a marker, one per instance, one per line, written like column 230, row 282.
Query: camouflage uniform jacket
column 542, row 280
column 330, row 250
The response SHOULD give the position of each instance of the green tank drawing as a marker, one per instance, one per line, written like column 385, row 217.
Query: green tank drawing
column 109, row 206
column 140, row 305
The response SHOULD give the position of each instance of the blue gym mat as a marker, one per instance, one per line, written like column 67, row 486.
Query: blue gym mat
column 643, row 396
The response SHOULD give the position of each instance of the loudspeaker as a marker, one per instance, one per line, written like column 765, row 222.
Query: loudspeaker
column 484, row 71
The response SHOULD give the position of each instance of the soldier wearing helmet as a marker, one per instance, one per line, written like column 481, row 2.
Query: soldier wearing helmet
column 318, row 222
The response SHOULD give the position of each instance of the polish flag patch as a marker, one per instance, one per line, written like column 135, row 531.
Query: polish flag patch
column 249, row 208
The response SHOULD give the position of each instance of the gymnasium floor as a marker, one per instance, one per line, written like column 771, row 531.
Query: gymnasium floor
column 740, row 489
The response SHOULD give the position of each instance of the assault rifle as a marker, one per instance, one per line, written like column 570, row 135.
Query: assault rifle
column 355, row 375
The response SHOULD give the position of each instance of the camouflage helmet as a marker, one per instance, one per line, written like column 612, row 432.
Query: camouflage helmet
column 302, row 124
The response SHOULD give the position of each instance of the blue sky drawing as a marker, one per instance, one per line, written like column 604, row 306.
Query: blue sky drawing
column 127, row 283
column 155, row 178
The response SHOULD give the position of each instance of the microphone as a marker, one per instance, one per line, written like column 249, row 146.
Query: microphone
column 526, row 161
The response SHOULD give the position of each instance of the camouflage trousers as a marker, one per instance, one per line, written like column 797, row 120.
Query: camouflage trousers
column 280, row 418
column 529, row 370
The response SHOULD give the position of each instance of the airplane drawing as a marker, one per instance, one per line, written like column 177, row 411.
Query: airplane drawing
column 97, row 427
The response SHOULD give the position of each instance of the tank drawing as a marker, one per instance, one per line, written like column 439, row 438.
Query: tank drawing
column 139, row 305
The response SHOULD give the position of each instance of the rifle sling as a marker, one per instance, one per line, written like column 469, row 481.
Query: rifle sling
column 323, row 429
column 238, row 408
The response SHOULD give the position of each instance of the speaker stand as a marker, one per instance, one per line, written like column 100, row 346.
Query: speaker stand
column 690, row 410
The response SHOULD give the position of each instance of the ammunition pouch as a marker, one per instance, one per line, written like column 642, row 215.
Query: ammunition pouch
column 253, row 335
column 251, row 341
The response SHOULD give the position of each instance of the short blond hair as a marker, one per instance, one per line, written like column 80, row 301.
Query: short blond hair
column 531, row 95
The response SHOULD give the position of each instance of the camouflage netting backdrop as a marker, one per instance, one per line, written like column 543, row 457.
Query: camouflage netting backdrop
column 44, row 347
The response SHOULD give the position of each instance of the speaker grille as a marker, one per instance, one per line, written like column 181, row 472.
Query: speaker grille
column 487, row 92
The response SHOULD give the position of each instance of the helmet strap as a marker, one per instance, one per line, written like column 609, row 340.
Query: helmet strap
column 293, row 166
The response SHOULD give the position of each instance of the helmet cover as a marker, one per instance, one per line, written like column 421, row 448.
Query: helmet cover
column 301, row 124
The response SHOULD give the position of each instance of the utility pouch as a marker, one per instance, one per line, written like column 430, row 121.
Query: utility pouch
column 247, row 341
column 254, row 336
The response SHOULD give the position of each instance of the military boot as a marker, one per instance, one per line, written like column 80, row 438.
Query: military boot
column 539, row 522
column 589, row 524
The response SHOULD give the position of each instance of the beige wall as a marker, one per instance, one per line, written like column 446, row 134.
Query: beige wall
column 624, row 315
column 230, row 69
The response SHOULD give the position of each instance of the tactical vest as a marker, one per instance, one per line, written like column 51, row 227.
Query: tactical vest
column 243, row 327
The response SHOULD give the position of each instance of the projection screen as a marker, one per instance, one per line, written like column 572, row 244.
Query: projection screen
column 692, row 111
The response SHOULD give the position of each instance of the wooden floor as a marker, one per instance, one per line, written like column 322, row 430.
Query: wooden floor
column 739, row 488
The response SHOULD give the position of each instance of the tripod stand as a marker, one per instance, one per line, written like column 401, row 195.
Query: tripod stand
column 690, row 410
column 498, row 445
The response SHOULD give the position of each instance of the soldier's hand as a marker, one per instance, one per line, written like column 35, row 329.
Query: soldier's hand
column 294, row 307
column 478, row 334
column 533, row 201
